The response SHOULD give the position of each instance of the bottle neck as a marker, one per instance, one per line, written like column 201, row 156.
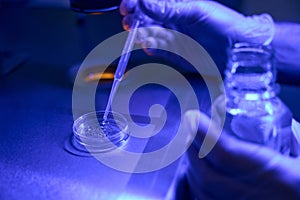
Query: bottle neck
column 250, row 74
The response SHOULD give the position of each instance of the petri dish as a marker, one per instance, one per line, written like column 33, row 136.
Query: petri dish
column 93, row 135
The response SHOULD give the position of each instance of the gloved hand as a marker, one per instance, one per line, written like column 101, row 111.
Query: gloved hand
column 200, row 20
column 235, row 169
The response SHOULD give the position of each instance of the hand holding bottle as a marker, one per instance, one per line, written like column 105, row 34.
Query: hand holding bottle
column 236, row 169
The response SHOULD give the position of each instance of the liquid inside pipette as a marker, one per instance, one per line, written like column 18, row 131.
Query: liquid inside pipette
column 126, row 52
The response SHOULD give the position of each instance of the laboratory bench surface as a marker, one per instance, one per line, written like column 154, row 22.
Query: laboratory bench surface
column 45, row 44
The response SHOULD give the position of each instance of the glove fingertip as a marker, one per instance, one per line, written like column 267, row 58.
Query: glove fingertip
column 127, row 22
column 127, row 7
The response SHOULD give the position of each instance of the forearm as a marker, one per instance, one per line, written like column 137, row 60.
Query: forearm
column 286, row 45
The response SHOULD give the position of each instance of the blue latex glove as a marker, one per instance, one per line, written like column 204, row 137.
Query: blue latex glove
column 198, row 19
column 235, row 169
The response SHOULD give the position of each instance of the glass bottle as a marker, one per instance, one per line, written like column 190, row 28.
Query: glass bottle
column 254, row 112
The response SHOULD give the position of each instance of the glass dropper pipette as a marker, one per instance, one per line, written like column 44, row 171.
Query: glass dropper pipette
column 126, row 52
